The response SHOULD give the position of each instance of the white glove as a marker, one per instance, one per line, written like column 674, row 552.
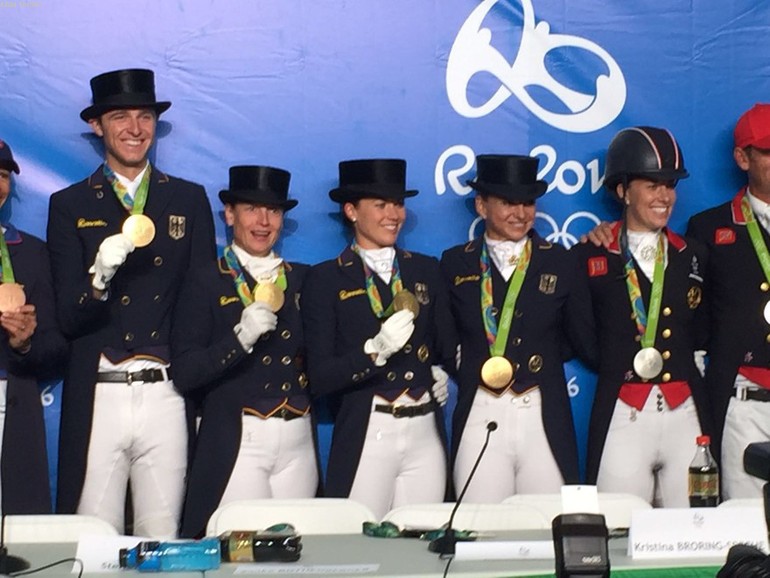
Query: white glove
column 393, row 335
column 440, row 388
column 112, row 254
column 256, row 320
column 700, row 361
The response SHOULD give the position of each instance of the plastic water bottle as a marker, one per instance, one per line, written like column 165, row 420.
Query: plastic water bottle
column 703, row 476
column 193, row 555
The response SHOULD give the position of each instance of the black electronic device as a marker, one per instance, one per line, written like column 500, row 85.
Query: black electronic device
column 756, row 462
column 580, row 545
column 445, row 545
column 8, row 562
column 744, row 561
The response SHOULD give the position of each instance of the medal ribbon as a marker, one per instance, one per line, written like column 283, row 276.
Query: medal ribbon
column 375, row 300
column 646, row 325
column 239, row 279
column 134, row 205
column 5, row 260
column 497, row 335
column 760, row 248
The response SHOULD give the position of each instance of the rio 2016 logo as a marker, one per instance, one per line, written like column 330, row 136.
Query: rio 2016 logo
column 472, row 53
column 568, row 177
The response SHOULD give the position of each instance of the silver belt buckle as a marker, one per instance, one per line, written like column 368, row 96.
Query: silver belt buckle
column 741, row 392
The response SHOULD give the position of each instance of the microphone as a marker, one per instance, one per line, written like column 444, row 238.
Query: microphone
column 9, row 563
column 445, row 545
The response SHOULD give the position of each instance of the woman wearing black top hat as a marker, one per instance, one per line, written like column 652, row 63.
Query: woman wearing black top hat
column 237, row 347
column 377, row 326
column 517, row 300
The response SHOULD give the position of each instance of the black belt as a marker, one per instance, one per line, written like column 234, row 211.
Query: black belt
column 145, row 375
column 405, row 410
column 759, row 394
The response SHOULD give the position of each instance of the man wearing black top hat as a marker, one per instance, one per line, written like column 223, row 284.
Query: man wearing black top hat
column 31, row 348
column 517, row 301
column 237, row 345
column 377, row 328
column 121, row 242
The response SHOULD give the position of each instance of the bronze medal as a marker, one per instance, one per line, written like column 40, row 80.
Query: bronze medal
column 139, row 229
column 648, row 363
column 404, row 299
column 11, row 297
column 271, row 294
column 497, row 372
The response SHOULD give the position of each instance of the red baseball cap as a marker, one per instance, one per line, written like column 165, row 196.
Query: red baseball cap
column 753, row 128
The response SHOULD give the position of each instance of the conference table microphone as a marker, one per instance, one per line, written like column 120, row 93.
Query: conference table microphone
column 445, row 545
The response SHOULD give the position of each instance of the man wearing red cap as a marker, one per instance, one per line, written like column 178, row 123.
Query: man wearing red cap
column 738, row 291
column 121, row 242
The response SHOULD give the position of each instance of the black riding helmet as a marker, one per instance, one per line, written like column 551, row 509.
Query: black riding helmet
column 643, row 152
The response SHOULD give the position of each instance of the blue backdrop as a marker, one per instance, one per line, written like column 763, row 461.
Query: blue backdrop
column 304, row 84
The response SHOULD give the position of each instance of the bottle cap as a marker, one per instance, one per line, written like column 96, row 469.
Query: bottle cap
column 703, row 440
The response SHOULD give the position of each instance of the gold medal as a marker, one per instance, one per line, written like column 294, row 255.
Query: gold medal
column 11, row 297
column 497, row 372
column 648, row 363
column 139, row 229
column 404, row 299
column 271, row 294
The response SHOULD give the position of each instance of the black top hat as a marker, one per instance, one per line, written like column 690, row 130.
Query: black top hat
column 371, row 179
column 130, row 88
column 510, row 177
column 6, row 158
column 259, row 186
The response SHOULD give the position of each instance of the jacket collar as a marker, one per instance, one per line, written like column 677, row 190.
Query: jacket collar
column 12, row 235
column 735, row 207
column 675, row 241
column 98, row 181
column 348, row 256
column 224, row 268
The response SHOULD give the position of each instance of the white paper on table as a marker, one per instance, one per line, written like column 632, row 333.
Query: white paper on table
column 579, row 499
column 101, row 553
column 505, row 550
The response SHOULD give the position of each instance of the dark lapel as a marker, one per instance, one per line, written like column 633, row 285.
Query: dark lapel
column 350, row 266
column 158, row 196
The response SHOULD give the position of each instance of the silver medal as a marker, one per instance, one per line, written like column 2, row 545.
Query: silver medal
column 766, row 312
column 648, row 363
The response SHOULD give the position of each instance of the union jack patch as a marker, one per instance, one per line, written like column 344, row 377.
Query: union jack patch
column 597, row 266
column 724, row 236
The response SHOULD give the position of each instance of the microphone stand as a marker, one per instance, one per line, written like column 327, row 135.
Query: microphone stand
column 9, row 563
column 445, row 545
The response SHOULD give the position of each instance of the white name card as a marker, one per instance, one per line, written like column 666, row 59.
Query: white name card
column 101, row 553
column 694, row 532
column 506, row 550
